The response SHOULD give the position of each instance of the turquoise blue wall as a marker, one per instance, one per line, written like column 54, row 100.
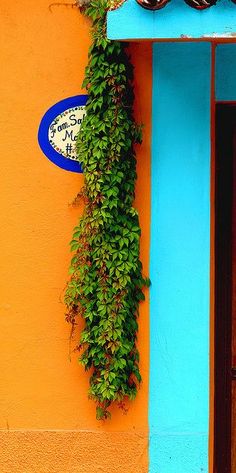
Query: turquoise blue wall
column 175, row 20
column 180, row 219
column 226, row 72
column 180, row 258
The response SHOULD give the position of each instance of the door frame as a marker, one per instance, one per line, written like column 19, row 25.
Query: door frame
column 223, row 284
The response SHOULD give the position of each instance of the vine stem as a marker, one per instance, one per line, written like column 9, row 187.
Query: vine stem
column 106, row 284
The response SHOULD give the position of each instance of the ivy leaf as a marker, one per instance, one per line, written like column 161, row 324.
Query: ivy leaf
column 106, row 281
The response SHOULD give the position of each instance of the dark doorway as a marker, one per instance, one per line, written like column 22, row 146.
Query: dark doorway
column 225, row 290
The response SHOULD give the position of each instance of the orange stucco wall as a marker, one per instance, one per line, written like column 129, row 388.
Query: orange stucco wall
column 47, row 423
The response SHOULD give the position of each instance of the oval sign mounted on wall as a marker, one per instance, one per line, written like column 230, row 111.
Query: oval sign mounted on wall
column 58, row 130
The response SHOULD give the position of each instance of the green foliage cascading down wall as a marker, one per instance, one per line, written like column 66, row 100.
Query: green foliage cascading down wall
column 106, row 273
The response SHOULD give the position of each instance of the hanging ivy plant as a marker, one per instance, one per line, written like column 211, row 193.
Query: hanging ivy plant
column 106, row 282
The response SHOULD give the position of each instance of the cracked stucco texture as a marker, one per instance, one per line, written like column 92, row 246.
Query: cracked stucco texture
column 73, row 452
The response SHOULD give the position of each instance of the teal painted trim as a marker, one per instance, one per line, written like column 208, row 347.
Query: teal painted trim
column 180, row 258
column 175, row 20
column 226, row 72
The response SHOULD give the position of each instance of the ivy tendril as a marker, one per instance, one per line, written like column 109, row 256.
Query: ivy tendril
column 106, row 284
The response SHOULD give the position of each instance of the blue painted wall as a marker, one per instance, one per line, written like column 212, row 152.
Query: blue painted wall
column 175, row 20
column 226, row 72
column 180, row 256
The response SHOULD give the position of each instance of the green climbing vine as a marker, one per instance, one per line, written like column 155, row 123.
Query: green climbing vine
column 106, row 282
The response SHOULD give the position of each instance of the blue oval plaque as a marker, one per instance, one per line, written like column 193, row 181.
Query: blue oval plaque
column 58, row 130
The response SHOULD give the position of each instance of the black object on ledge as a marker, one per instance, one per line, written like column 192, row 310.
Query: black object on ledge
column 158, row 4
